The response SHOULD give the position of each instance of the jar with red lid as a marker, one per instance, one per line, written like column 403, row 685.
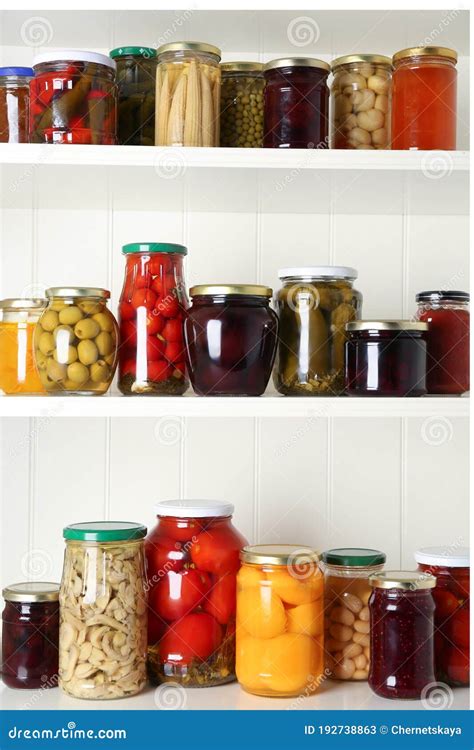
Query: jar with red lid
column 151, row 310
column 192, row 562
column 451, row 568
column 447, row 313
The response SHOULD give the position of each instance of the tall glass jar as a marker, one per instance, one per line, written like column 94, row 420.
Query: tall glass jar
column 18, row 318
column 103, row 606
column 188, row 90
column 151, row 310
column 14, row 104
column 361, row 99
column 243, row 85
column 346, row 596
column 136, row 80
column 313, row 307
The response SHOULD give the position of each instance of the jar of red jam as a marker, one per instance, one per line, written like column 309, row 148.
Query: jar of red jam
column 447, row 313
column 192, row 562
column 151, row 311
column 401, row 633
column 296, row 103
column 230, row 334
column 30, row 635
column 451, row 595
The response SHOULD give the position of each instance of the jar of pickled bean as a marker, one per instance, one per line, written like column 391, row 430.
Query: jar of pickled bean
column 346, row 596
column 242, row 104
column 14, row 104
column 136, row 81
column 18, row 374
column 280, row 621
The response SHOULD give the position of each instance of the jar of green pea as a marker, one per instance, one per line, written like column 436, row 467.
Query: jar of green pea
column 242, row 104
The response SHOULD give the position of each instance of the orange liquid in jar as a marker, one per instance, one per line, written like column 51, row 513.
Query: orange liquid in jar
column 17, row 368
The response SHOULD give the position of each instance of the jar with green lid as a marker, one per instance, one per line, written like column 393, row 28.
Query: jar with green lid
column 242, row 104
column 136, row 80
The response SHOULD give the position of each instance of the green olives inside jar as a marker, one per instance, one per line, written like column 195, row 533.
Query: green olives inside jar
column 313, row 306
column 242, row 104
column 75, row 342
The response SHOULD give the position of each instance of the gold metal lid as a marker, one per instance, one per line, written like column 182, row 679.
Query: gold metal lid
column 297, row 62
column 21, row 303
column 402, row 579
column 208, row 49
column 242, row 67
column 279, row 554
column 451, row 54
column 386, row 325
column 36, row 591
column 77, row 291
column 253, row 290
column 370, row 59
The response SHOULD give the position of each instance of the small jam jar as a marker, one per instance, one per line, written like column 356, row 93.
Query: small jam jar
column 230, row 334
column 386, row 358
column 447, row 313
column 451, row 568
column 30, row 635
column 18, row 318
column 14, row 104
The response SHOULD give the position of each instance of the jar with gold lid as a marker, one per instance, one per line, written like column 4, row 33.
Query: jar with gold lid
column 243, row 85
column 18, row 318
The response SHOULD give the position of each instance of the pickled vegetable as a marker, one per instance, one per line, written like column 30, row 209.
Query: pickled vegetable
column 14, row 104
column 242, row 105
column 136, row 80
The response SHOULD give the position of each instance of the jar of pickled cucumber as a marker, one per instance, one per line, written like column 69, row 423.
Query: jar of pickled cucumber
column 75, row 342
column 313, row 306
column 136, row 75
column 242, row 104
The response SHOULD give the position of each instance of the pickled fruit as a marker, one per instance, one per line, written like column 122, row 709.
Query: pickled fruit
column 18, row 373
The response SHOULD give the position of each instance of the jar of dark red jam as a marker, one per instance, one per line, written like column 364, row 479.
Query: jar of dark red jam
column 230, row 334
column 451, row 595
column 447, row 313
column 296, row 104
column 386, row 358
column 30, row 635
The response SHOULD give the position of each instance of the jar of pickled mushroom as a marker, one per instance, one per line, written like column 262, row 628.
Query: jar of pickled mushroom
column 451, row 566
column 76, row 342
column 73, row 98
column 313, row 306
column 151, row 310
column 346, row 596
column 230, row 335
column 188, row 90
column 361, row 94
column 192, row 561
column 103, row 610
column 401, row 634
column 136, row 81
column 18, row 318
column 296, row 108
column 280, row 621
column 242, row 104
column 424, row 99
column 448, row 318
column 14, row 104
column 30, row 631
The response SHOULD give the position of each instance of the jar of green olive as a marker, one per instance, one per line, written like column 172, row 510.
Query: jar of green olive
column 242, row 104
column 75, row 342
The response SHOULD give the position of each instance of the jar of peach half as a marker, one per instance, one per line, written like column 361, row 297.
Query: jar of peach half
column 280, row 621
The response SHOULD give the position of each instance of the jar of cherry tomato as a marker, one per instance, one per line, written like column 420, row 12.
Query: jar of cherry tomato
column 451, row 595
column 192, row 561
column 151, row 312
column 447, row 313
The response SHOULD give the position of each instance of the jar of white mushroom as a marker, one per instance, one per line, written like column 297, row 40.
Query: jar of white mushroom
column 361, row 100
column 103, row 611
column 346, row 611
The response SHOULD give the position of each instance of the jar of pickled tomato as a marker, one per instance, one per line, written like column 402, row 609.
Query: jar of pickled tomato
column 451, row 568
column 280, row 621
column 30, row 631
column 424, row 99
column 151, row 311
column 192, row 562
column 14, row 104
column 346, row 595
column 18, row 373
column 401, row 634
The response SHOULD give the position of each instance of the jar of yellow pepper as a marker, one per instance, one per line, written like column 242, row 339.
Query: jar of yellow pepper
column 18, row 318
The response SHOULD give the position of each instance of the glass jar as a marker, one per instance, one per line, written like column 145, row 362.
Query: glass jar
column 313, row 307
column 188, row 90
column 280, row 621
column 14, row 104
column 18, row 374
column 75, row 342
column 103, row 608
column 230, row 334
column 361, row 99
column 346, row 597
column 30, row 628
column 386, row 358
column 136, row 82
column 296, row 108
column 73, row 98
column 192, row 562
column 451, row 595
column 447, row 314
column 243, row 85
column 151, row 310
column 401, row 634
column 424, row 99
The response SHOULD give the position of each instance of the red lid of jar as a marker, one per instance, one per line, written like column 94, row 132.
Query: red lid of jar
column 443, row 557
column 194, row 508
